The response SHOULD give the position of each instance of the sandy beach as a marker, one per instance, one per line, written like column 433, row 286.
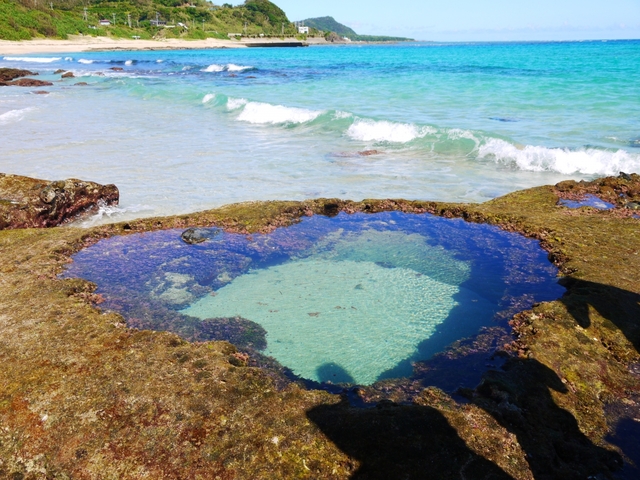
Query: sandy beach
column 79, row 43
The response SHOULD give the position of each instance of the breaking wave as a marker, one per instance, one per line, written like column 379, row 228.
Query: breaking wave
column 84, row 61
column 587, row 161
column 265, row 113
column 385, row 131
column 440, row 141
column 32, row 59
column 231, row 67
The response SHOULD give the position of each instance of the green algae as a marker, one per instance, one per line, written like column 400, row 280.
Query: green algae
column 81, row 396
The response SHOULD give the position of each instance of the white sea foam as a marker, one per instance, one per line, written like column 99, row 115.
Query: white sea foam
column 128, row 62
column 85, row 61
column 588, row 161
column 231, row 67
column 236, row 103
column 384, row 131
column 265, row 113
column 213, row 68
column 13, row 116
column 68, row 59
column 340, row 115
column 107, row 212
column 208, row 97
column 33, row 59
column 159, row 60
column 237, row 68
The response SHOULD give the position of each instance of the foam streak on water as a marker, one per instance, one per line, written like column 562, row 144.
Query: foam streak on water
column 189, row 130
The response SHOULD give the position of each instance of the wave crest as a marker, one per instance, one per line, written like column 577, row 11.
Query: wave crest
column 32, row 59
column 265, row 113
column 385, row 131
column 231, row 67
column 587, row 161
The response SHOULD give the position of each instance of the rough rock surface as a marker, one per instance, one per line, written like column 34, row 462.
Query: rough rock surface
column 8, row 74
column 30, row 203
column 26, row 82
column 84, row 396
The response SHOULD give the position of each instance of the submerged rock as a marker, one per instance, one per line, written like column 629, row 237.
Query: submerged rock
column 32, row 203
column 193, row 236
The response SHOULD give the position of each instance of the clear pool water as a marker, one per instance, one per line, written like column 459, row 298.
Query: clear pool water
column 354, row 298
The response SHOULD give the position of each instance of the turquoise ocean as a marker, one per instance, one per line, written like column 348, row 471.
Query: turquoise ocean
column 181, row 131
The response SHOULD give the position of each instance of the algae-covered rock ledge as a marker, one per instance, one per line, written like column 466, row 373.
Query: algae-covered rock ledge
column 84, row 396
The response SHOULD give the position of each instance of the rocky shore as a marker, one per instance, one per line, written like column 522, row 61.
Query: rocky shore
column 31, row 203
column 84, row 396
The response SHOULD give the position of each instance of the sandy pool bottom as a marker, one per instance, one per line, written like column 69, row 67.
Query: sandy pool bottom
column 342, row 320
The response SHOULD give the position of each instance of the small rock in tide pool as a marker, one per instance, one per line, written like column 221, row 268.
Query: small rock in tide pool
column 193, row 236
column 40, row 92
column 80, row 84
column 625, row 176
column 633, row 206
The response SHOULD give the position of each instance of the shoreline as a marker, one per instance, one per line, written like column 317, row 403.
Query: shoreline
column 77, row 44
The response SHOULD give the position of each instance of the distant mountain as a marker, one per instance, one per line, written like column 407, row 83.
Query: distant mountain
column 329, row 24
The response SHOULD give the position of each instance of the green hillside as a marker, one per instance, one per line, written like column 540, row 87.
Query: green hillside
column 329, row 24
column 190, row 19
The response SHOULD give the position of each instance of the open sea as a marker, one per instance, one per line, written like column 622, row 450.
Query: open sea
column 181, row 131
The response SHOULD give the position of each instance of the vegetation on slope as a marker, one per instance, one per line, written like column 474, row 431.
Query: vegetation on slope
column 191, row 19
column 329, row 24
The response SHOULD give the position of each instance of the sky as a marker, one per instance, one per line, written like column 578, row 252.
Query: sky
column 478, row 20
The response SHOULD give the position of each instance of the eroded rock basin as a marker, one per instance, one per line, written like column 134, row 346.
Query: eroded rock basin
column 350, row 299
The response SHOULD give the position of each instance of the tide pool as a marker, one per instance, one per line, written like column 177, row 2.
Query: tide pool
column 349, row 299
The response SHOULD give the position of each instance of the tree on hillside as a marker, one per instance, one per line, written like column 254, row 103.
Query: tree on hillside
column 274, row 13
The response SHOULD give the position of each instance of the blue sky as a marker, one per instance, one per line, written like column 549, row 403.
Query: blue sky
column 465, row 20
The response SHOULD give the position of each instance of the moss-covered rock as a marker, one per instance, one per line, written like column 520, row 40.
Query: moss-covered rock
column 83, row 396
column 30, row 203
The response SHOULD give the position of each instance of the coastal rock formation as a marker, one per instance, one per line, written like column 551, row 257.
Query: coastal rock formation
column 8, row 74
column 84, row 395
column 68, row 75
column 31, row 203
column 8, row 77
column 27, row 82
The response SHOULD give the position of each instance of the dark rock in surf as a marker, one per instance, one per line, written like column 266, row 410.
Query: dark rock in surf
column 80, row 84
column 8, row 74
column 32, row 203
column 27, row 82
column 59, row 71
column 68, row 75
column 117, row 69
